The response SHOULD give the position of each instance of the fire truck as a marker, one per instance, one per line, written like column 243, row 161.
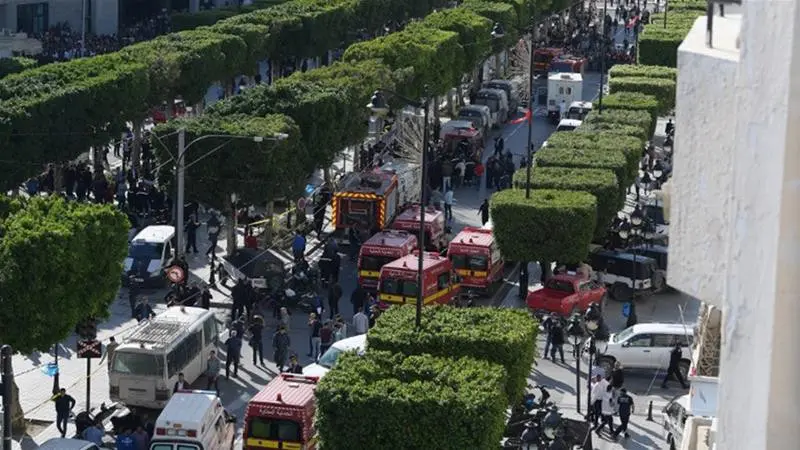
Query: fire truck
column 568, row 64
column 435, row 237
column 379, row 250
column 542, row 58
column 369, row 201
column 476, row 258
column 399, row 285
column 282, row 414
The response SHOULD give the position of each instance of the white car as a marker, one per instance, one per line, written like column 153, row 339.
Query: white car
column 674, row 417
column 328, row 360
column 67, row 444
column 646, row 346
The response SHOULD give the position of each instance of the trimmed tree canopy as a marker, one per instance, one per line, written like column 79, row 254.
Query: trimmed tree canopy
column 384, row 390
column 639, row 119
column 15, row 64
column 634, row 101
column 255, row 171
column 550, row 226
column 601, row 183
column 613, row 160
column 501, row 336
column 637, row 132
column 662, row 89
column 60, row 262
column 629, row 146
column 640, row 70
column 472, row 30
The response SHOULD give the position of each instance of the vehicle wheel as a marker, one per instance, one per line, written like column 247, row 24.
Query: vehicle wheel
column 621, row 292
column 683, row 366
column 659, row 281
column 606, row 363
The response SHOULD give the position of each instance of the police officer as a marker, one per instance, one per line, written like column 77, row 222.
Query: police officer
column 674, row 367
column 625, row 409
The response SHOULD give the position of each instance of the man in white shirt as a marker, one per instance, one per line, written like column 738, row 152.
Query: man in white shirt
column 448, row 204
column 599, row 386
column 360, row 322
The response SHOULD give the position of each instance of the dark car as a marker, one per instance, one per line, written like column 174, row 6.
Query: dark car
column 624, row 272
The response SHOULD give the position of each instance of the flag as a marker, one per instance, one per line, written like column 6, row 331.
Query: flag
column 526, row 117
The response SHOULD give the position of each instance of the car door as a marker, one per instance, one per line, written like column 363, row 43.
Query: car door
column 584, row 294
column 636, row 351
column 663, row 343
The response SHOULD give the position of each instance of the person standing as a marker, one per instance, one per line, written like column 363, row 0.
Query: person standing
column 213, row 228
column 256, row 339
column 191, row 233
column 557, row 340
column 125, row 441
column 625, row 409
column 212, row 371
column 448, row 204
column 233, row 350
column 205, row 298
column 181, row 384
column 299, row 246
column 314, row 340
column 94, row 433
column 143, row 311
column 294, row 366
column 674, row 369
column 141, row 438
column 334, row 294
column 325, row 337
column 358, row 299
column 280, row 347
column 111, row 347
column 596, row 395
column 547, row 324
column 617, row 376
column 606, row 411
column 360, row 322
column 64, row 404
column 483, row 210
column 133, row 291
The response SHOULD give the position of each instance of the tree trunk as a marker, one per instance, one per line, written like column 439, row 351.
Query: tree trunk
column 136, row 151
column 270, row 226
column 17, row 414
column 230, row 233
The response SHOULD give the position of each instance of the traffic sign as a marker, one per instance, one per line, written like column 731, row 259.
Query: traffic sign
column 301, row 203
column 176, row 274
column 89, row 349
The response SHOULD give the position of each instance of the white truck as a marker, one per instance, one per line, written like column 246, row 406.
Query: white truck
column 562, row 90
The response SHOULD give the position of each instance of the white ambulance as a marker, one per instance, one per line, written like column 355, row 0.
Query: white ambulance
column 194, row 420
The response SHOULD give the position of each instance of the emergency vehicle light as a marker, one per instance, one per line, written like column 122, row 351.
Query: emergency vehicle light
column 278, row 397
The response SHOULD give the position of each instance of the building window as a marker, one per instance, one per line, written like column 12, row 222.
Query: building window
column 33, row 18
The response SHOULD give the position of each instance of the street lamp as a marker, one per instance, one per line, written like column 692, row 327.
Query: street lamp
column 575, row 333
column 603, row 58
column 591, row 321
column 181, row 167
column 380, row 107
column 629, row 232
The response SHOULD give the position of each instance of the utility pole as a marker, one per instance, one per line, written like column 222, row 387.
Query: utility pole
column 83, row 28
column 529, row 151
column 7, row 391
column 179, row 201
column 603, row 48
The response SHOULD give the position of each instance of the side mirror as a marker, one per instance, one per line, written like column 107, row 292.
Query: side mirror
column 626, row 344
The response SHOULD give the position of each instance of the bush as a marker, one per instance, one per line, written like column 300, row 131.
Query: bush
column 613, row 160
column 454, row 403
column 501, row 336
column 603, row 184
column 629, row 146
column 631, row 70
column 550, row 226
column 659, row 47
column 662, row 89
column 639, row 119
column 639, row 133
column 15, row 65
column 634, row 101
column 498, row 13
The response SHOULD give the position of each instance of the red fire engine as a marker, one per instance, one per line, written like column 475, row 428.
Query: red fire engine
column 379, row 250
column 408, row 220
column 282, row 414
column 398, row 280
column 370, row 200
column 476, row 258
column 542, row 58
column 568, row 64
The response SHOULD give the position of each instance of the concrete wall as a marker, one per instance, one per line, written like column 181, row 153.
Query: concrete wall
column 738, row 205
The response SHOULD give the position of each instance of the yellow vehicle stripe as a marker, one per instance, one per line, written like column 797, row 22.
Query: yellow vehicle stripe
column 429, row 299
column 291, row 446
column 479, row 273
column 262, row 443
column 471, row 273
column 369, row 273
column 463, row 272
column 391, row 298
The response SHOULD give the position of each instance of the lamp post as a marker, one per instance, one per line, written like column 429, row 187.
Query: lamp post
column 591, row 321
column 575, row 333
column 6, row 391
column 181, row 167
column 380, row 107
column 629, row 232
column 603, row 48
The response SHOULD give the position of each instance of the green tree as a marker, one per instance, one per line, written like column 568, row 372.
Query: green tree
column 59, row 263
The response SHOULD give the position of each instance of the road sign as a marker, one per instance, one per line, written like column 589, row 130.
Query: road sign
column 89, row 349
column 301, row 203
column 176, row 274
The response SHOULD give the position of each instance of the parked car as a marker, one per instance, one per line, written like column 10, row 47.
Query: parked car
column 646, row 346
column 329, row 359
column 626, row 273
column 566, row 295
column 674, row 417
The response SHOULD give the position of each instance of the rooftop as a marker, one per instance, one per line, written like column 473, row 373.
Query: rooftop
column 409, row 262
column 294, row 390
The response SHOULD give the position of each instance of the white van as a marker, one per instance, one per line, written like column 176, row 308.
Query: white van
column 497, row 101
column 328, row 360
column 568, row 124
column 194, row 420
column 67, row 444
column 146, row 365
column 150, row 252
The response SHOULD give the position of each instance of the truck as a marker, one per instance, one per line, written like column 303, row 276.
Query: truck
column 380, row 249
column 282, row 414
column 542, row 58
column 399, row 280
column 435, row 232
column 370, row 200
column 562, row 90
column 476, row 258
column 565, row 295
column 568, row 64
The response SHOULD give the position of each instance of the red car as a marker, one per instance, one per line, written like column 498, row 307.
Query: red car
column 566, row 295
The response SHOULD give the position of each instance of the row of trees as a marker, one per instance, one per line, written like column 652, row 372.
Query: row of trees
column 58, row 111
column 445, row 386
column 327, row 104
column 582, row 177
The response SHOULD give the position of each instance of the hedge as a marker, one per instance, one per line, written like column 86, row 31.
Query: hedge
column 662, row 89
column 392, row 401
column 613, row 160
column 638, row 132
column 15, row 64
column 629, row 146
column 634, row 101
column 638, row 119
column 658, row 46
column 631, row 70
column 601, row 183
column 550, row 226
column 255, row 171
column 502, row 336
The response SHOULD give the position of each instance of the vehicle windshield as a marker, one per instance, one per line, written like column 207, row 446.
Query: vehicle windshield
column 560, row 285
column 566, row 128
column 145, row 250
column 399, row 287
column 623, row 335
column 329, row 358
column 374, row 263
column 138, row 363
column 469, row 113
column 470, row 262
column 274, row 429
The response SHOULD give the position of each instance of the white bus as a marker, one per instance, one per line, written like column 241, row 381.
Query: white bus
column 147, row 363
